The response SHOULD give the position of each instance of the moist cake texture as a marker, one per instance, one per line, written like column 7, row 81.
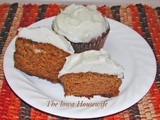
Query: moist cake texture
column 91, row 73
column 39, row 59
column 89, row 84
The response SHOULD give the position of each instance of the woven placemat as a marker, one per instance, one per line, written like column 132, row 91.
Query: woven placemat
column 142, row 18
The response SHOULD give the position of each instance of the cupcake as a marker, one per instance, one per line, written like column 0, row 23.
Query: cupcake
column 41, row 52
column 83, row 26
column 91, row 73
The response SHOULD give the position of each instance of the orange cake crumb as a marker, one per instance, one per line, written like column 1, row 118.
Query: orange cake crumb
column 90, row 83
column 39, row 59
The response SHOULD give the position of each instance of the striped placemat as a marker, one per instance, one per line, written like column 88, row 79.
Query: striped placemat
column 142, row 18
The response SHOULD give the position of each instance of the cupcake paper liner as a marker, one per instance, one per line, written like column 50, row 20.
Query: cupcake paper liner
column 94, row 44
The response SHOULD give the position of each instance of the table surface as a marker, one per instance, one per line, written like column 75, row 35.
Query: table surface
column 142, row 18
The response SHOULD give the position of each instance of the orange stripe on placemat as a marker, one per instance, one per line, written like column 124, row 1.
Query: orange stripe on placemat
column 125, row 15
column 52, row 10
column 38, row 115
column 135, row 19
column 3, row 13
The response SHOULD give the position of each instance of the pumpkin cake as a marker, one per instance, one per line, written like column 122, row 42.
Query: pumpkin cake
column 91, row 73
column 38, row 56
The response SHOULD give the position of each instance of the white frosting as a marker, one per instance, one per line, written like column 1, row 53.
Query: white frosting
column 92, row 61
column 79, row 23
column 46, row 35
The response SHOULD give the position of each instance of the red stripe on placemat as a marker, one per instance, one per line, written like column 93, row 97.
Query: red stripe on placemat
column 4, row 100
column 106, row 11
column 3, row 13
column 13, row 108
column 29, row 15
column 102, row 10
column 135, row 19
column 155, row 97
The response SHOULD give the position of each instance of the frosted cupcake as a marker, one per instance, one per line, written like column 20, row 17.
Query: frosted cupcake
column 83, row 26
column 41, row 52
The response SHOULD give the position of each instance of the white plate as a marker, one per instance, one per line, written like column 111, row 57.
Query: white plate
column 125, row 45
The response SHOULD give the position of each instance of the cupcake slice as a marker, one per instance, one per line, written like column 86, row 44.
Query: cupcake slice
column 41, row 52
column 83, row 26
column 91, row 73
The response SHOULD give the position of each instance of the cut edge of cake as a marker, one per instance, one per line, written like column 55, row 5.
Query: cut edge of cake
column 89, row 84
column 30, row 57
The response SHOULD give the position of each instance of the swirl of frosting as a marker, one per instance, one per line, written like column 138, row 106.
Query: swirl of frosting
column 79, row 23
column 92, row 61
column 46, row 35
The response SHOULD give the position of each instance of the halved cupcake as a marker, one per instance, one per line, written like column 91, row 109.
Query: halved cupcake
column 83, row 26
column 41, row 52
column 91, row 73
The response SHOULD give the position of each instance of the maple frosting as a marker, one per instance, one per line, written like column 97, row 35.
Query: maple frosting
column 92, row 61
column 80, row 23
column 46, row 35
